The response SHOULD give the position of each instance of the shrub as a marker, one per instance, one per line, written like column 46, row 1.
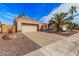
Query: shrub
column 11, row 31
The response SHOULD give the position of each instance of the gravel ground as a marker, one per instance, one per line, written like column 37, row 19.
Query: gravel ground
column 18, row 46
column 66, row 34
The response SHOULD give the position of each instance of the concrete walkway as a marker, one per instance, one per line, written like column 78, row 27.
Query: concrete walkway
column 43, row 38
column 66, row 47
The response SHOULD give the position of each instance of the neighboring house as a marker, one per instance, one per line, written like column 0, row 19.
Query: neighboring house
column 64, row 27
column 24, row 24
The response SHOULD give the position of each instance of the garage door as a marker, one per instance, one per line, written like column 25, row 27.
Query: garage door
column 29, row 28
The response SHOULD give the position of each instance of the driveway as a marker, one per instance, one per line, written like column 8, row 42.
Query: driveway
column 68, row 46
column 43, row 38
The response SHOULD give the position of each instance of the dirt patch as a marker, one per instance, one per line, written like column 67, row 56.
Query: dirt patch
column 17, row 47
column 66, row 34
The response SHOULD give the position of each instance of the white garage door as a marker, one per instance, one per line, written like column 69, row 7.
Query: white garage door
column 29, row 28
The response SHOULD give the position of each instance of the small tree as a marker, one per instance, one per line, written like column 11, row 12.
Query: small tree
column 21, row 15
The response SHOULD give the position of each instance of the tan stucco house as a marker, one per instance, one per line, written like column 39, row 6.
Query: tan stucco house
column 24, row 24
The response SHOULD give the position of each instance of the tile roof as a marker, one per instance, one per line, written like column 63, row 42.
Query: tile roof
column 29, row 20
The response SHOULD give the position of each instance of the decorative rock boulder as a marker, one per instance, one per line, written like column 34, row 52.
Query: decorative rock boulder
column 6, row 37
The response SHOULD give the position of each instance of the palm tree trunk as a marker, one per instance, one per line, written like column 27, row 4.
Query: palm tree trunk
column 58, row 28
column 71, row 21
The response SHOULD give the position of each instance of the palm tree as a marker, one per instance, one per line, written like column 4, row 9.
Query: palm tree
column 58, row 20
column 72, row 11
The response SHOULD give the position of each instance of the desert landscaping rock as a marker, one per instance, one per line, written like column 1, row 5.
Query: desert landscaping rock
column 16, row 47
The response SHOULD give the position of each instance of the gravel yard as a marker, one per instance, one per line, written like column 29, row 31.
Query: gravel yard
column 17, row 47
column 66, row 34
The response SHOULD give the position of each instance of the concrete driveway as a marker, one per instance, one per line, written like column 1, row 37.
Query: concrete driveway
column 43, row 38
column 68, row 46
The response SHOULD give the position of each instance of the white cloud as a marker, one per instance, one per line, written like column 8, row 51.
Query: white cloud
column 62, row 8
column 9, row 15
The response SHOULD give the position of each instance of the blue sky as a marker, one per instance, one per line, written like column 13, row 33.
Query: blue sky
column 36, row 11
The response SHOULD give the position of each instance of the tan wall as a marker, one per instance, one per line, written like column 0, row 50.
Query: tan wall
column 0, row 29
column 4, row 29
column 28, row 21
column 7, row 28
column 39, row 26
column 19, row 26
